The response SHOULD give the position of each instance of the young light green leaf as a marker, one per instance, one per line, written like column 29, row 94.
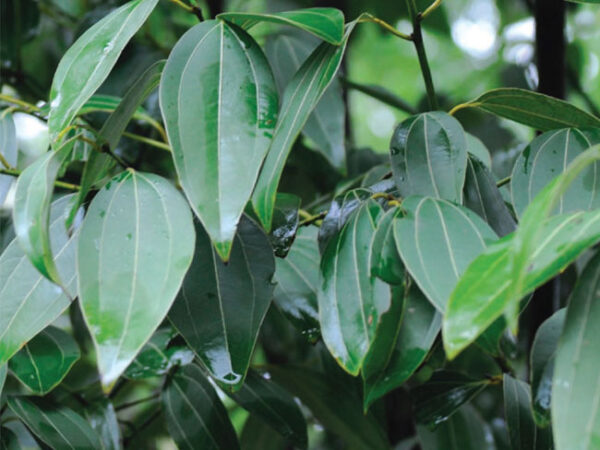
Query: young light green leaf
column 30, row 302
column 325, row 23
column 575, row 386
column 429, row 156
column 232, row 300
column 45, row 360
column 90, row 59
column 534, row 109
column 220, row 139
column 57, row 426
column 437, row 241
column 136, row 244
column 196, row 418
column 8, row 151
column 351, row 301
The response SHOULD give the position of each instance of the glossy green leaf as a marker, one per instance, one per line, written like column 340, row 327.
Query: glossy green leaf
column 90, row 59
column 195, row 416
column 9, row 440
column 157, row 356
column 285, row 223
column 109, row 103
column 437, row 241
column 575, row 387
column 57, row 426
column 325, row 23
column 31, row 214
column 45, row 360
column 297, row 277
column 339, row 410
column 483, row 196
column 257, row 434
column 219, row 140
column 263, row 398
column 135, row 246
column 28, row 301
column 429, row 156
column 465, row 430
column 325, row 126
column 232, row 300
column 299, row 100
column 8, row 150
column 102, row 418
column 478, row 149
column 547, row 156
column 534, row 109
column 351, row 301
column 442, row 395
column 419, row 327
column 385, row 259
column 541, row 366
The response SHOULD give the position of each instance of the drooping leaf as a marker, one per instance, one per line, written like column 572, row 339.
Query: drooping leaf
column 534, row 109
column 429, row 156
column 57, row 426
column 547, row 156
column 483, row 196
column 102, row 418
column 219, row 141
column 109, row 103
column 232, row 300
column 275, row 406
column 325, row 23
column 419, row 327
column 8, row 150
column 90, row 59
column 45, row 360
column 136, row 244
column 28, row 301
column 195, row 416
column 285, row 223
column 351, row 301
column 385, row 259
column 478, row 149
column 297, row 277
column 437, row 241
column 325, row 126
column 575, row 406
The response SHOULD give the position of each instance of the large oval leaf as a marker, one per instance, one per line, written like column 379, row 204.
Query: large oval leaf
column 8, row 150
column 429, row 156
column 219, row 102
column 136, row 244
column 221, row 306
column 437, row 241
column 195, row 416
column 547, row 156
column 575, row 387
column 28, row 301
column 90, row 59
column 45, row 360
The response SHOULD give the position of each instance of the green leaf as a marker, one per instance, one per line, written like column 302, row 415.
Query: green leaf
column 135, row 246
column 31, row 214
column 385, row 259
column 437, row 241
column 90, row 59
column 257, row 434
column 465, row 430
column 57, row 426
column 45, row 360
column 339, row 410
column 158, row 356
column 418, row 329
column 325, row 126
column 9, row 440
column 285, row 223
column 536, row 110
column 478, row 149
column 325, row 23
column 351, row 301
column 483, row 196
column 3, row 372
column 29, row 302
column 541, row 367
column 109, row 103
column 8, row 150
column 297, row 277
column 195, row 416
column 442, row 395
column 232, row 300
column 546, row 157
column 275, row 406
column 429, row 156
column 575, row 407
column 299, row 100
column 220, row 139
column 102, row 418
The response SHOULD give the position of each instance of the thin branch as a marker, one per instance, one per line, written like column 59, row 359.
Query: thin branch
column 503, row 181
column 430, row 9
column 189, row 8
column 136, row 402
column 57, row 183
column 145, row 140
column 463, row 106
column 380, row 94
column 16, row 101
column 366, row 17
